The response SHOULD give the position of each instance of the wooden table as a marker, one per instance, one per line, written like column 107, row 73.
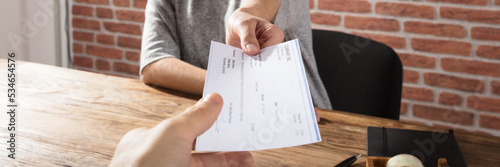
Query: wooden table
column 75, row 118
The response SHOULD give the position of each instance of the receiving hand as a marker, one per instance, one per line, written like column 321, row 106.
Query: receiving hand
column 316, row 113
column 170, row 142
column 251, row 33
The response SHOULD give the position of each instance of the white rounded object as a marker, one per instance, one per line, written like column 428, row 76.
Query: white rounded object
column 404, row 160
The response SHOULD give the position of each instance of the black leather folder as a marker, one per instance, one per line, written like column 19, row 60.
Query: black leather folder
column 427, row 146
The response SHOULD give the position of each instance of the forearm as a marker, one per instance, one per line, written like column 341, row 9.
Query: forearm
column 175, row 74
column 265, row 9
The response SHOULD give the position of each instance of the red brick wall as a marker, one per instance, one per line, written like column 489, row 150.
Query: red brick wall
column 107, row 35
column 450, row 50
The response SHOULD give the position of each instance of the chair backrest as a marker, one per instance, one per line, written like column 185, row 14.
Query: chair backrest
column 360, row 75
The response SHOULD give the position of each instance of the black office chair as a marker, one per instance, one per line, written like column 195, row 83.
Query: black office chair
column 360, row 75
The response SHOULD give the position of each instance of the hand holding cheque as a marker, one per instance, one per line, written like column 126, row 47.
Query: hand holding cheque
column 267, row 105
column 170, row 142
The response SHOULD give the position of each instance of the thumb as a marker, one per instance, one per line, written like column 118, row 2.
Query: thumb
column 200, row 117
column 248, row 39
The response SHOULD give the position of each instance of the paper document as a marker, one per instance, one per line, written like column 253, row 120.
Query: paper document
column 267, row 103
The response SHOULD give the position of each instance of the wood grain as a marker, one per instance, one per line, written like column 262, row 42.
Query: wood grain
column 75, row 118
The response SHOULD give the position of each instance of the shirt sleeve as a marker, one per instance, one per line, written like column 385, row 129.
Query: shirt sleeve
column 159, row 39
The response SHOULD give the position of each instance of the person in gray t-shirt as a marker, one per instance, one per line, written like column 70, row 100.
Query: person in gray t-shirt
column 177, row 34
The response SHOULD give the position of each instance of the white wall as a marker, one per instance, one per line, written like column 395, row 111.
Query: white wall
column 34, row 29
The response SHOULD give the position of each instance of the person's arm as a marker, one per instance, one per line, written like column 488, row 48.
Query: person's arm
column 175, row 74
column 265, row 9
column 250, row 27
column 160, row 52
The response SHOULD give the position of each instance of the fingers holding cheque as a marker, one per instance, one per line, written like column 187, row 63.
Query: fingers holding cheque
column 251, row 33
column 170, row 142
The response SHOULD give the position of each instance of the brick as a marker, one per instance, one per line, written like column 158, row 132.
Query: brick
column 410, row 76
column 140, row 3
column 415, row 93
column 441, row 46
column 130, row 15
column 447, row 98
column 104, row 13
column 104, row 52
column 122, row 3
column 82, row 10
column 311, row 4
column 133, row 56
column 371, row 23
column 492, row 52
column 326, row 19
column 103, row 65
column 414, row 60
column 94, row 2
column 483, row 103
column 80, row 61
column 83, row 36
column 485, row 33
column 126, row 68
column 405, row 10
column 470, row 67
column 467, row 2
column 495, row 87
column 129, row 42
column 443, row 114
column 403, row 108
column 472, row 15
column 391, row 41
column 106, row 39
column 453, row 82
column 77, row 48
column 489, row 121
column 436, row 29
column 358, row 6
column 497, row 2
column 123, row 28
column 86, row 24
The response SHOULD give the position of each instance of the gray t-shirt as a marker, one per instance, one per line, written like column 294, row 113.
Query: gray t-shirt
column 183, row 29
